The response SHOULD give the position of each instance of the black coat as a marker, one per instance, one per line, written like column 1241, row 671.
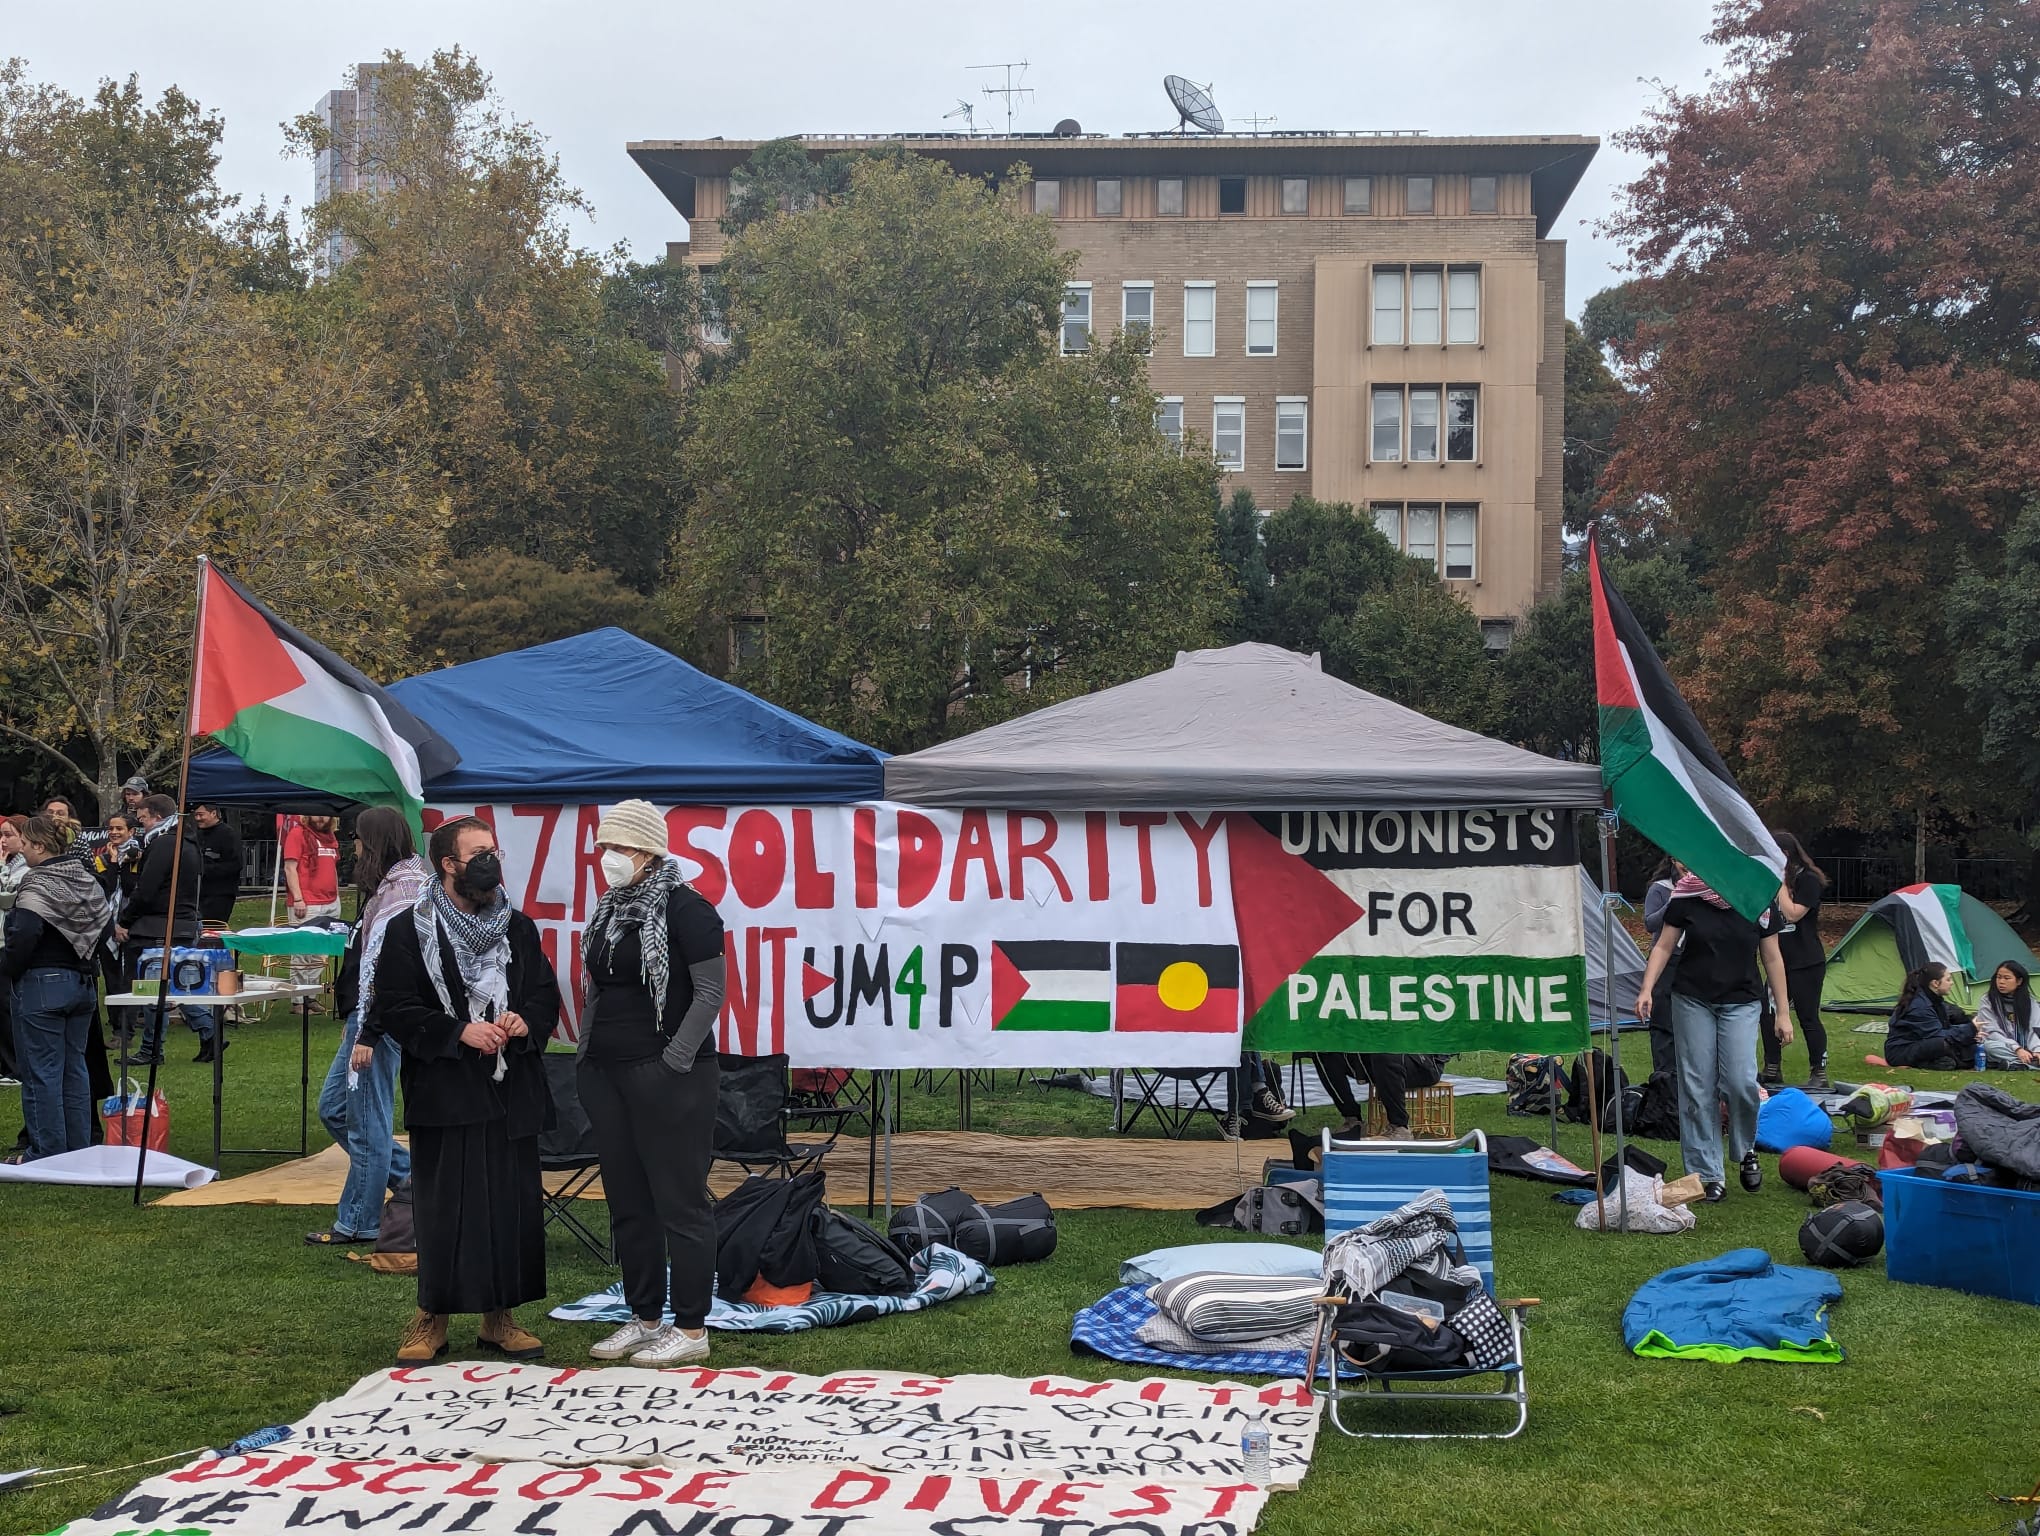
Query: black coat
column 148, row 908
column 446, row 1082
column 1928, row 1027
column 219, row 885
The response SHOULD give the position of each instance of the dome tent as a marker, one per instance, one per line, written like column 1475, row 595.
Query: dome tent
column 1913, row 926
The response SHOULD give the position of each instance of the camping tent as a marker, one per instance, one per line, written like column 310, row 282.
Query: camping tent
column 1906, row 930
column 1252, row 727
column 594, row 719
column 1628, row 963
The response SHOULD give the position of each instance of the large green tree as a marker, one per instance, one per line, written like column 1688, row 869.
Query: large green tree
column 1993, row 617
column 943, row 522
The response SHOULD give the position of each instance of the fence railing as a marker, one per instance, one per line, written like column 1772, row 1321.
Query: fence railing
column 1870, row 879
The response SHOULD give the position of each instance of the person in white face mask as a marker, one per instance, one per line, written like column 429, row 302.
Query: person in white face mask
column 653, row 965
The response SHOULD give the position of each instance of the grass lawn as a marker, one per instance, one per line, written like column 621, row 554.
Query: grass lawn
column 134, row 1333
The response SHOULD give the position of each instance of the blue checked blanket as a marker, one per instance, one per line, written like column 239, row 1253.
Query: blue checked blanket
column 940, row 1274
column 1109, row 1328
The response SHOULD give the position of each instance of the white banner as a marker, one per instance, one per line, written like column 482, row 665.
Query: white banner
column 535, row 1450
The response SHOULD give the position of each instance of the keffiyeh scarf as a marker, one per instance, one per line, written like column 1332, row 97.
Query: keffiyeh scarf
column 641, row 905
column 167, row 824
column 65, row 894
column 401, row 887
column 481, row 947
column 1421, row 1235
column 1693, row 885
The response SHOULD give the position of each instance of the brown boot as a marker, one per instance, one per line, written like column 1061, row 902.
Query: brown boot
column 501, row 1333
column 424, row 1340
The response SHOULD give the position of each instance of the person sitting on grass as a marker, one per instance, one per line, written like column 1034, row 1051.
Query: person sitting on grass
column 2010, row 1020
column 1926, row 1030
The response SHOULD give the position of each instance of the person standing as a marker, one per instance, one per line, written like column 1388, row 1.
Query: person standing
column 358, row 1105
column 648, row 1073
column 1805, row 966
column 464, row 988
column 59, row 916
column 1714, row 1024
column 147, row 921
column 311, row 869
column 219, row 860
column 13, row 869
column 2010, row 1020
column 1664, row 1055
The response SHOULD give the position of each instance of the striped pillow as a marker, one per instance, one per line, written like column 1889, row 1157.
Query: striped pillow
column 1238, row 1309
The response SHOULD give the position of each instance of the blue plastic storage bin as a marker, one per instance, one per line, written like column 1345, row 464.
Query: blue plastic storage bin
column 1965, row 1237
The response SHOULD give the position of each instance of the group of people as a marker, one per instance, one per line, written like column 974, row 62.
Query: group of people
column 80, row 908
column 1930, row 1031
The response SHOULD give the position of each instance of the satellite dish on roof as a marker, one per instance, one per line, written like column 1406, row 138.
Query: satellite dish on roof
column 1193, row 104
column 1069, row 128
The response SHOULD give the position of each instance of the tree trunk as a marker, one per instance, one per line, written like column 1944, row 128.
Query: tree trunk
column 1920, row 846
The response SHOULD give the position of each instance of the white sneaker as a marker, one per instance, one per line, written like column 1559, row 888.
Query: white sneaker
column 633, row 1335
column 672, row 1347
column 1400, row 1133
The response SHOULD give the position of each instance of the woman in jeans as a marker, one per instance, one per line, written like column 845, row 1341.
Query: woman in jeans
column 59, row 916
column 358, row 1105
column 648, row 1074
column 1715, row 1005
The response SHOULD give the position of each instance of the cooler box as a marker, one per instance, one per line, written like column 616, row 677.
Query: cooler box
column 1964, row 1237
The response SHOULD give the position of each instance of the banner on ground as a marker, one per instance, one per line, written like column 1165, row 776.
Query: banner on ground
column 891, row 936
column 515, row 1449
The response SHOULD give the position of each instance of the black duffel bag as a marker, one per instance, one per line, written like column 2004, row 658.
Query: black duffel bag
column 1017, row 1232
column 856, row 1259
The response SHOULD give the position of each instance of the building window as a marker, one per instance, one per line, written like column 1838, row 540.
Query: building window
column 1048, row 197
column 1460, row 524
column 1169, row 197
column 1232, row 194
column 1105, row 198
column 1169, row 419
column 1462, row 414
column 1261, row 299
column 1359, row 194
column 1200, row 319
column 1137, row 313
column 1387, row 441
column 1388, row 298
column 1419, row 196
column 715, row 326
column 1296, row 194
column 1427, row 288
column 1292, row 433
column 1420, row 533
column 1076, row 319
column 1424, row 425
column 1463, row 303
column 1388, row 522
column 747, row 640
column 1480, row 194
column 1497, row 634
column 1229, row 433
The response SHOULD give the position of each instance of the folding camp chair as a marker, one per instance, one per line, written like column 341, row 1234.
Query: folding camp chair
column 1366, row 1180
column 1173, row 1096
column 569, row 1149
column 752, row 1114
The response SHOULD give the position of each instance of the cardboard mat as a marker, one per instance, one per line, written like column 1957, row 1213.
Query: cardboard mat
column 1073, row 1172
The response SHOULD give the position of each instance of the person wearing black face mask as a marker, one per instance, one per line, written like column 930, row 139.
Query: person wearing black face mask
column 465, row 989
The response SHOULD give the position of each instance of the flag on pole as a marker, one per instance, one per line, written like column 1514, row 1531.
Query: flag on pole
column 288, row 707
column 1661, row 770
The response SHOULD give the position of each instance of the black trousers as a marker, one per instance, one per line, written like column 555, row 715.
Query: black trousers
column 655, row 1131
column 1802, row 991
column 479, row 1210
column 1390, row 1073
column 1664, row 1050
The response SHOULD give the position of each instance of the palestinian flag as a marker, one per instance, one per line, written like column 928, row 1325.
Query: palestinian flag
column 1177, row 988
column 288, row 707
column 1052, row 984
column 1661, row 770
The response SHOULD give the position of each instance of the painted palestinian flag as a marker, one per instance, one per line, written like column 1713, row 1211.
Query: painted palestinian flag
column 1177, row 988
column 1661, row 770
column 288, row 707
column 1052, row 984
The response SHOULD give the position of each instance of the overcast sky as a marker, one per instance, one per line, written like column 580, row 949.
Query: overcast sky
column 597, row 74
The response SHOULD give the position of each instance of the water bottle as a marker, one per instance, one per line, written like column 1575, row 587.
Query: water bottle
column 1254, row 1449
column 1980, row 1058
column 255, row 1440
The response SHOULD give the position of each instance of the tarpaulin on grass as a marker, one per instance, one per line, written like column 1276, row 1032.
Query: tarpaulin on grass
column 1740, row 1306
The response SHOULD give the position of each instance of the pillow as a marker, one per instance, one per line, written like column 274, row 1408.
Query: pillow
column 1221, row 1259
column 1162, row 1331
column 1238, row 1308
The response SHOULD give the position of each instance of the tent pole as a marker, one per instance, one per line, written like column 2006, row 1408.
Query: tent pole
column 276, row 875
column 1608, row 822
column 891, row 1090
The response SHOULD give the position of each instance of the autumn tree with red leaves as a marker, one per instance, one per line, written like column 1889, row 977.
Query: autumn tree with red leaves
column 1838, row 246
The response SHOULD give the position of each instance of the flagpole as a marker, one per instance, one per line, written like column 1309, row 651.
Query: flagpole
column 164, row 972
column 1607, row 822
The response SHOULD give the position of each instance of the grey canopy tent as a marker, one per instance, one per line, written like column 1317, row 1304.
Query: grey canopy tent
column 1626, row 968
column 1251, row 727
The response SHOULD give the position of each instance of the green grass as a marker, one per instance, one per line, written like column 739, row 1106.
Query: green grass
column 128, row 1334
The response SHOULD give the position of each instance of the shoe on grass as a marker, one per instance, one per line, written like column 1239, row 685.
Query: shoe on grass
column 1752, row 1173
column 633, row 1335
column 1399, row 1133
column 1817, row 1078
column 501, row 1333
column 673, row 1346
column 1230, row 1127
column 1772, row 1076
column 1714, row 1194
column 424, row 1339
column 1269, row 1106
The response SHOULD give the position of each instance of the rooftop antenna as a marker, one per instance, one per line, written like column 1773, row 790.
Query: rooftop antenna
column 967, row 112
column 1254, row 123
column 1011, row 90
column 1193, row 104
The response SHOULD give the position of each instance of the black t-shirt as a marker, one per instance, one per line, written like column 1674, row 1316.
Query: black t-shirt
column 1719, row 962
column 621, row 1026
column 1800, row 942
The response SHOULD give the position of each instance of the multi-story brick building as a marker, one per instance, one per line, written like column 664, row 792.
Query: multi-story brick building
column 1368, row 318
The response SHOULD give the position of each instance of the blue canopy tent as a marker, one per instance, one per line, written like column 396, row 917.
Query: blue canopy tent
column 592, row 720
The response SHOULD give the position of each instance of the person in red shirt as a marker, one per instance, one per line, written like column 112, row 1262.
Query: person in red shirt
column 311, row 870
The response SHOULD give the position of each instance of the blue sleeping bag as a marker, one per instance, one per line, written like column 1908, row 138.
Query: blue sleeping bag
column 1740, row 1306
column 1790, row 1119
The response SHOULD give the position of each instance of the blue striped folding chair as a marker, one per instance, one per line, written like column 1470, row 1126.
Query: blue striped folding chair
column 1365, row 1180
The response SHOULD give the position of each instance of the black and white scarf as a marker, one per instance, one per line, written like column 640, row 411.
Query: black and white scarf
column 481, row 947
column 641, row 905
column 66, row 895
column 167, row 824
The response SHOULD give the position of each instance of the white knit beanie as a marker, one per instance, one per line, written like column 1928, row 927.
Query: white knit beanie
column 633, row 824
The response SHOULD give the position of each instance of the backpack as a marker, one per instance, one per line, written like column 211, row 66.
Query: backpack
column 856, row 1259
column 1655, row 1116
column 1535, row 1083
column 1274, row 1210
column 1376, row 1336
column 1608, row 1080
